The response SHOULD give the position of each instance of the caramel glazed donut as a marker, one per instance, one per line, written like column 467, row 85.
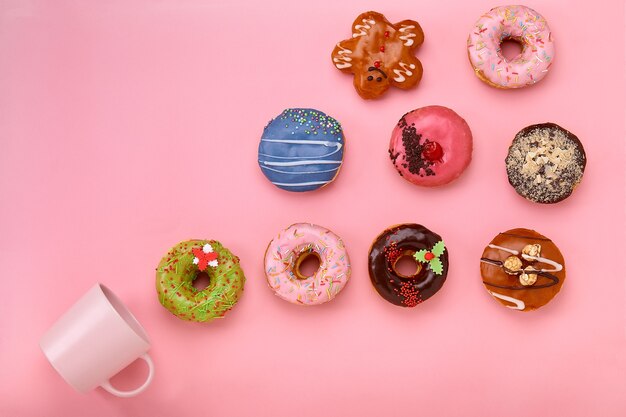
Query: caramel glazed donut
column 413, row 240
column 522, row 269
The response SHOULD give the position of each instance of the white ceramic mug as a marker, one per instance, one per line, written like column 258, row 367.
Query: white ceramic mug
column 94, row 340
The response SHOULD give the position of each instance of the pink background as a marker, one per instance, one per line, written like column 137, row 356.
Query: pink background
column 125, row 128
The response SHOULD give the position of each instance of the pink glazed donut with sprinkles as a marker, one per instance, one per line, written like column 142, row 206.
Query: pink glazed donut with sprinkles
column 518, row 23
column 290, row 248
column 431, row 146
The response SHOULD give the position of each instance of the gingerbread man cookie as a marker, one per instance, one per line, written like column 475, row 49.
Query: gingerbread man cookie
column 380, row 54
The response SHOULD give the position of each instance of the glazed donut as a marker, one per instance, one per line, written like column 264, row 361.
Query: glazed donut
column 545, row 163
column 301, row 150
column 431, row 146
column 380, row 54
column 414, row 240
column 182, row 264
column 518, row 23
column 522, row 269
column 293, row 245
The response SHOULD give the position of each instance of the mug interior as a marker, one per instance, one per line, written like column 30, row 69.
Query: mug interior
column 124, row 313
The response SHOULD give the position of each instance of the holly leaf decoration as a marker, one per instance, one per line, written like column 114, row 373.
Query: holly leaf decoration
column 438, row 248
column 436, row 266
column 419, row 256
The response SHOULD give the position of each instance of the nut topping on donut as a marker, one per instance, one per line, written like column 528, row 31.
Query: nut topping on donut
column 512, row 265
column 527, row 278
column 532, row 250
column 545, row 163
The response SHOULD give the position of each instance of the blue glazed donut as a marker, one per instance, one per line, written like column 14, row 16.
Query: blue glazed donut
column 301, row 150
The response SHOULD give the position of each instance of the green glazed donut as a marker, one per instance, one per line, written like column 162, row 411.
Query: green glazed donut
column 180, row 266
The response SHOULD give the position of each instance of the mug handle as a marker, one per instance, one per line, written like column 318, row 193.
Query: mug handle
column 127, row 394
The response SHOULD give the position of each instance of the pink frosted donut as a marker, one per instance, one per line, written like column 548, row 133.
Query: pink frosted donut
column 431, row 146
column 518, row 23
column 286, row 252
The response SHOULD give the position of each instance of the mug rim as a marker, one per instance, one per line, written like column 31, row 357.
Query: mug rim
column 123, row 312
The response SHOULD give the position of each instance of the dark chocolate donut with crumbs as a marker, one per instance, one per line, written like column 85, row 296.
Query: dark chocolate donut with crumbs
column 545, row 163
column 430, row 254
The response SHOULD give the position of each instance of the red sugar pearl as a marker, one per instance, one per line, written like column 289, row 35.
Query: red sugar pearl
column 410, row 295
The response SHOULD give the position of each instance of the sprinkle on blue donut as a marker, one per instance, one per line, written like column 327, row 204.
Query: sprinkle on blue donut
column 301, row 150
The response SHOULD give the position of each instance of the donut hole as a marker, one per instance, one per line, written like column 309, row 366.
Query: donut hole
column 307, row 265
column 201, row 281
column 406, row 266
column 511, row 48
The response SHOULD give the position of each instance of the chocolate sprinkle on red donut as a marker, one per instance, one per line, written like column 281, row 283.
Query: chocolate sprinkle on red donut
column 414, row 149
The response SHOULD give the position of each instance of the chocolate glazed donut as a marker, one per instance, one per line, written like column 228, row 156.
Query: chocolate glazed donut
column 418, row 242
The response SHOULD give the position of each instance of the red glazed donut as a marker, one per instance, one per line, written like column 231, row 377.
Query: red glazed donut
column 431, row 146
